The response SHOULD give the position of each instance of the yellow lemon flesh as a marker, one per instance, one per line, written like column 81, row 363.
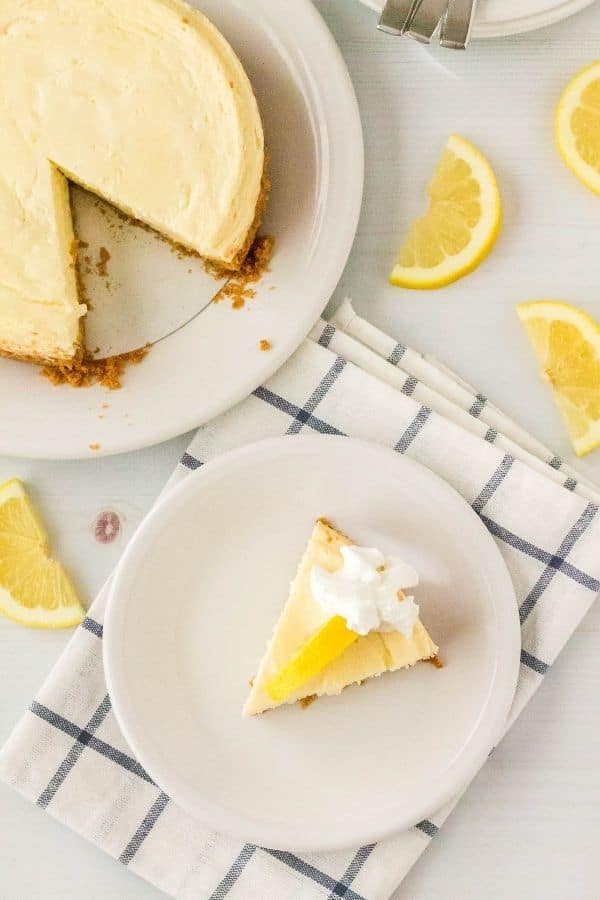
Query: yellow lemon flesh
column 566, row 342
column 34, row 589
column 461, row 225
column 327, row 644
column 578, row 126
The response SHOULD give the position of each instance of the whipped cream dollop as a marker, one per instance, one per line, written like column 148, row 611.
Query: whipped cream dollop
column 364, row 591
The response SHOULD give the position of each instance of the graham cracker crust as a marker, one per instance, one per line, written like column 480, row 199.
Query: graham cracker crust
column 237, row 289
column 259, row 214
column 106, row 372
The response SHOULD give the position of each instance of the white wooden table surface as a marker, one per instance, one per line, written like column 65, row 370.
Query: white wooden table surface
column 529, row 825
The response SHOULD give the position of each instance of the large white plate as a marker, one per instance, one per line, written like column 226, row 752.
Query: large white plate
column 314, row 138
column 195, row 600
column 498, row 18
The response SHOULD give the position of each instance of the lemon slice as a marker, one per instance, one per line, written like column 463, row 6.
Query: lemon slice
column 461, row 225
column 327, row 644
column 34, row 589
column 566, row 342
column 578, row 126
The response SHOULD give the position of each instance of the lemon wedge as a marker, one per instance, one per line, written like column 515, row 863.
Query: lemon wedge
column 578, row 126
column 461, row 225
column 34, row 589
column 566, row 342
column 327, row 644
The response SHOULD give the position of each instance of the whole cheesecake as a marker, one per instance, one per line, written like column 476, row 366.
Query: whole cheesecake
column 144, row 103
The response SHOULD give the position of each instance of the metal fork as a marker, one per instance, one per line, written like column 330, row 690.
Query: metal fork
column 458, row 24
column 421, row 18
column 397, row 15
column 426, row 18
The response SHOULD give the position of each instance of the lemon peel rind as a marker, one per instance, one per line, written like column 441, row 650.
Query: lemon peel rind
column 436, row 283
column 65, row 617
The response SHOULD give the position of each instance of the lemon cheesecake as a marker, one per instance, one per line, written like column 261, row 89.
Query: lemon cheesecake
column 145, row 104
column 345, row 621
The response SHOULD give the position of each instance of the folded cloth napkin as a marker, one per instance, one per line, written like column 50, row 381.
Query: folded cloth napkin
column 67, row 754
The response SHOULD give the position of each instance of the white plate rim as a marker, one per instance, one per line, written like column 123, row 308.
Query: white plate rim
column 514, row 25
column 340, row 117
column 491, row 723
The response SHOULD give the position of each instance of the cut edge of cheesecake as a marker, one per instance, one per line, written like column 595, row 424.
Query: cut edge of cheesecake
column 368, row 657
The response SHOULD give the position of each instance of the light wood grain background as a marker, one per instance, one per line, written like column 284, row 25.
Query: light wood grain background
column 529, row 825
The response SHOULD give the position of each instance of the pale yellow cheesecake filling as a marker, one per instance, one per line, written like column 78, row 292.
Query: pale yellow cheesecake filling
column 144, row 103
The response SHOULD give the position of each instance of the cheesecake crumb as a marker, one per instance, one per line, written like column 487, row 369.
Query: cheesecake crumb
column 107, row 372
column 436, row 662
column 306, row 701
column 101, row 265
column 237, row 289
column 265, row 345
column 94, row 446
column 74, row 251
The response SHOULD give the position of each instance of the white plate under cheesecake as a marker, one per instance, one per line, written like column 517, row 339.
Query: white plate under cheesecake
column 194, row 604
column 178, row 144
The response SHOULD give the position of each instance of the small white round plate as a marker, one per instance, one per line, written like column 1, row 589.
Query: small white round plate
column 499, row 18
column 194, row 602
column 212, row 358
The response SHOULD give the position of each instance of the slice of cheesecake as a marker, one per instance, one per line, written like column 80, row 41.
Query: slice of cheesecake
column 144, row 103
column 302, row 618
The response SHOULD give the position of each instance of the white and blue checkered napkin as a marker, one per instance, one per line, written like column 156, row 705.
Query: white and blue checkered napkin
column 67, row 754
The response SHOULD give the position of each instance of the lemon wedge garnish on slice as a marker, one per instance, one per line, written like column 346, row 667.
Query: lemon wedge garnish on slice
column 322, row 648
column 461, row 225
column 34, row 589
column 578, row 126
column 566, row 342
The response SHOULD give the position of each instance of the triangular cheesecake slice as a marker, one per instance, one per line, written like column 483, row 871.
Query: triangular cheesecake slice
column 302, row 617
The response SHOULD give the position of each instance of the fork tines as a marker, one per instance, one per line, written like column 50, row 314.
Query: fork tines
column 420, row 19
column 397, row 15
